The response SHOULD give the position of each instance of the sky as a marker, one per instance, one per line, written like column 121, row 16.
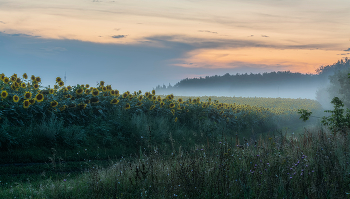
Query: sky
column 136, row 45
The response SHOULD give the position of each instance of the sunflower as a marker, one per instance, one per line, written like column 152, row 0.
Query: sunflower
column 55, row 87
column 127, row 106
column 130, row 97
column 125, row 95
column 72, row 106
column 54, row 103
column 72, row 98
column 79, row 91
column 168, row 97
column 140, row 98
column 13, row 78
column 25, row 76
column 138, row 104
column 60, row 83
column 172, row 96
column 14, row 74
column 82, row 106
column 105, row 94
column 6, row 80
column 38, row 79
column 146, row 94
column 153, row 92
column 104, row 89
column 152, row 107
column 95, row 92
column 69, row 87
column 62, row 108
column 15, row 98
column 39, row 97
column 32, row 78
column 82, row 85
column 173, row 111
column 87, row 86
column 23, row 85
column 139, row 92
column 178, row 107
column 204, row 105
column 114, row 101
column 26, row 103
column 102, row 83
column 162, row 104
column 28, row 95
column 18, row 80
column 172, row 105
column 36, row 86
column 58, row 79
column 109, row 87
column 2, row 76
column 87, row 91
column 116, row 92
column 194, row 101
column 180, row 100
column 32, row 101
column 175, row 120
column 13, row 87
column 68, row 96
column 112, row 92
column 154, row 98
column 94, row 100
column 52, row 91
column 87, row 101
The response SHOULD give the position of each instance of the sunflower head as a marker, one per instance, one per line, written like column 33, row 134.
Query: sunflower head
column 125, row 95
column 60, row 83
column 175, row 120
column 15, row 98
column 140, row 98
column 6, row 80
column 127, row 106
column 87, row 86
column 87, row 91
column 13, row 79
column 32, row 78
column 154, row 98
column 39, row 97
column 25, row 76
column 173, row 111
column 18, row 80
column 109, row 87
column 138, row 104
column 104, row 89
column 102, row 83
column 180, row 100
column 79, row 91
column 62, row 108
column 112, row 92
column 114, row 101
column 2, row 76
column 171, row 105
column 82, row 106
column 69, row 88
column 32, row 101
column 23, row 85
column 36, row 86
column 26, row 103
column 54, row 103
column 153, row 92
column 58, row 79
column 95, row 92
column 146, row 94
column 152, row 107
column 38, row 79
column 52, row 91
column 28, row 95
column 55, row 87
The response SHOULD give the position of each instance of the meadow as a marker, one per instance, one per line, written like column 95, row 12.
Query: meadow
column 82, row 142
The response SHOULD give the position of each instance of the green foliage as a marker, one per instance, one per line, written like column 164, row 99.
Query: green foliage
column 304, row 114
column 337, row 121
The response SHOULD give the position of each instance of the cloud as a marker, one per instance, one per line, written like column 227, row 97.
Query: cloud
column 19, row 34
column 2, row 22
column 117, row 29
column 118, row 36
column 264, row 36
column 347, row 49
column 207, row 31
column 251, row 36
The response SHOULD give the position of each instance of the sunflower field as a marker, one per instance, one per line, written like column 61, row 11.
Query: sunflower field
column 23, row 99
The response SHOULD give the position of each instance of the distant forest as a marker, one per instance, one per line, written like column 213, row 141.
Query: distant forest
column 284, row 79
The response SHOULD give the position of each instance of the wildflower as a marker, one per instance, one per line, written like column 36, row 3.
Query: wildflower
column 102, row 83
column 127, row 106
column 58, row 79
column 54, row 103
column 152, row 107
column 79, row 91
column 175, row 120
column 114, row 101
column 25, row 76
column 38, row 79
column 95, row 92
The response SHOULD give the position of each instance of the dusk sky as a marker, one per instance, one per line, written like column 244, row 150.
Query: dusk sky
column 139, row 44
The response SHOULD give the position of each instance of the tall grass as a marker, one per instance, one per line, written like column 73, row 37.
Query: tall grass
column 314, row 164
